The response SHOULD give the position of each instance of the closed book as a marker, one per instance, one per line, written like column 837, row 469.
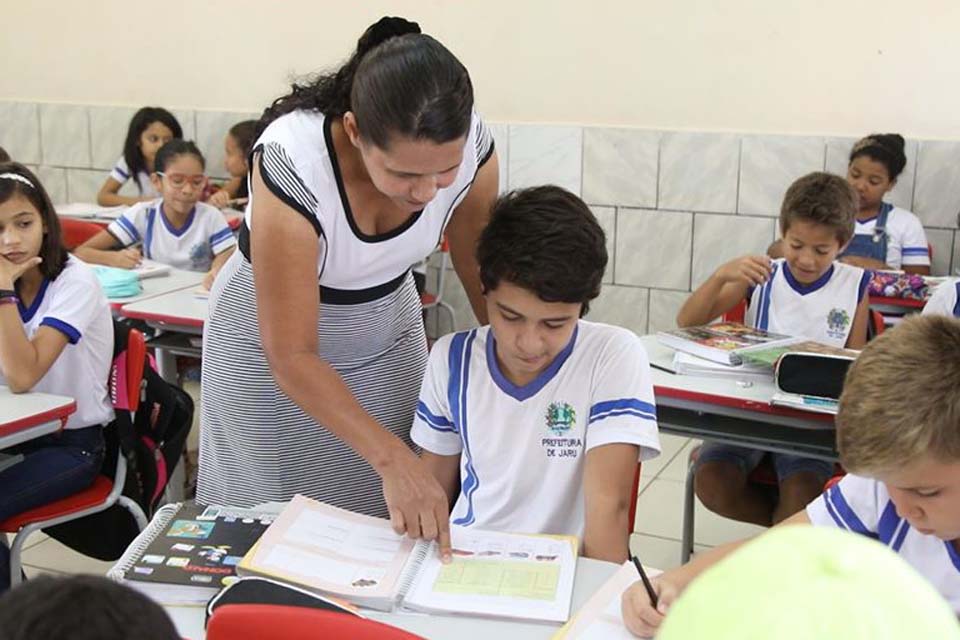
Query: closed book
column 189, row 552
column 723, row 342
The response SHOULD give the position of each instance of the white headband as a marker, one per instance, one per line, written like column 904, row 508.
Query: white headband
column 17, row 177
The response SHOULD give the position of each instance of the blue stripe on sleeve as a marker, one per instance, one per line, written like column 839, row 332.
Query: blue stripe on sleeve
column 438, row 423
column 623, row 406
column 221, row 235
column 67, row 329
column 914, row 251
column 128, row 227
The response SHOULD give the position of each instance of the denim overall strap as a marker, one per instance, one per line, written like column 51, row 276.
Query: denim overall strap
column 872, row 246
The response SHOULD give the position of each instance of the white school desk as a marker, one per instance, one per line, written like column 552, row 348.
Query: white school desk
column 722, row 410
column 179, row 316
column 591, row 574
column 173, row 280
column 25, row 416
column 89, row 211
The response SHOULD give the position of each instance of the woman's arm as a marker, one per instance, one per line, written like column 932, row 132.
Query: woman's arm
column 463, row 231
column 109, row 195
column 101, row 249
column 284, row 254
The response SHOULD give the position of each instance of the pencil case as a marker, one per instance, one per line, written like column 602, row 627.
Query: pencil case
column 811, row 374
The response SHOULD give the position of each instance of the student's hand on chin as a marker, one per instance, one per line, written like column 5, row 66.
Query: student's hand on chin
column 11, row 271
column 417, row 503
column 638, row 612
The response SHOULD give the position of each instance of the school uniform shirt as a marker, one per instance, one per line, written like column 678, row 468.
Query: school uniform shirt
column 193, row 246
column 822, row 310
column 863, row 505
column 945, row 300
column 121, row 173
column 74, row 305
column 523, row 449
column 906, row 239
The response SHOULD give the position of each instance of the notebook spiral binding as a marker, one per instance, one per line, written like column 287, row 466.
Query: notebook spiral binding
column 163, row 517
column 412, row 570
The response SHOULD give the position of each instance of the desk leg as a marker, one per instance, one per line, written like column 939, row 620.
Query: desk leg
column 166, row 365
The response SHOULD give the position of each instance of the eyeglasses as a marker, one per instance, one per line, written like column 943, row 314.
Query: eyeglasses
column 179, row 180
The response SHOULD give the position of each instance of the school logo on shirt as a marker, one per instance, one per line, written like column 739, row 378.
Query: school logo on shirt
column 560, row 417
column 837, row 322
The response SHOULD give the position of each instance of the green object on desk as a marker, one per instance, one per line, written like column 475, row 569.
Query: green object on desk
column 801, row 582
column 118, row 283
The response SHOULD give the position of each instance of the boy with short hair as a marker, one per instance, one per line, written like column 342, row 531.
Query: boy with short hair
column 898, row 433
column 806, row 293
column 535, row 423
column 81, row 608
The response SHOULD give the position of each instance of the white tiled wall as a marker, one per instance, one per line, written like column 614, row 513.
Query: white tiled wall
column 674, row 205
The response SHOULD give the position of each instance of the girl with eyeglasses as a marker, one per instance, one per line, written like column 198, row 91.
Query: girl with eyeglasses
column 176, row 229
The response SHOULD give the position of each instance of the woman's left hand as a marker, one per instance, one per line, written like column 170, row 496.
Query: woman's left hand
column 11, row 271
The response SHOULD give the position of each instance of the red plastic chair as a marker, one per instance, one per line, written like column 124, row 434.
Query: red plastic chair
column 104, row 492
column 268, row 622
column 76, row 232
column 737, row 314
column 634, row 495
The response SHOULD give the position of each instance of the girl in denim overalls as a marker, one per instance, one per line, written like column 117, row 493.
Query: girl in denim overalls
column 886, row 236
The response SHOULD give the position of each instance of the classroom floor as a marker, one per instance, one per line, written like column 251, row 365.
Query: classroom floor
column 657, row 527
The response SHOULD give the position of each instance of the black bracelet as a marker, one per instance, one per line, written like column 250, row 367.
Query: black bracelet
column 8, row 293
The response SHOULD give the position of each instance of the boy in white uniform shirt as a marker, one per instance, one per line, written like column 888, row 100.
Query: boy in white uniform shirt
column 806, row 293
column 897, row 436
column 535, row 423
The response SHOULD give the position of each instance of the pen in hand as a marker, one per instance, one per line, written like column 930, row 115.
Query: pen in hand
column 646, row 581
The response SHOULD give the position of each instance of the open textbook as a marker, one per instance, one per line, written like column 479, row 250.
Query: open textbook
column 360, row 559
column 600, row 617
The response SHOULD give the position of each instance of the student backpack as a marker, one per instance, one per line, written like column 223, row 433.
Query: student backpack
column 152, row 441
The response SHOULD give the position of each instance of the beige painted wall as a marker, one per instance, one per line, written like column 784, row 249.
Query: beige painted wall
column 791, row 66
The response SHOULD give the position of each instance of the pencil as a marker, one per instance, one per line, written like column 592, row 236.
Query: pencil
column 646, row 581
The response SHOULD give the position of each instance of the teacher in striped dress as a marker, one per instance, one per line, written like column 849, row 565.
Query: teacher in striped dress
column 314, row 350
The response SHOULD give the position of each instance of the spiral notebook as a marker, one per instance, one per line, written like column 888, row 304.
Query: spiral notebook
column 189, row 552
column 360, row 559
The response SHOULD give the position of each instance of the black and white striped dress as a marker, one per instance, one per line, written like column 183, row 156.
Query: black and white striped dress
column 256, row 445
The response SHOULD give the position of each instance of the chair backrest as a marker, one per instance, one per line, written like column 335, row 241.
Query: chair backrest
column 76, row 232
column 876, row 325
column 266, row 622
column 126, row 372
column 634, row 495
column 737, row 314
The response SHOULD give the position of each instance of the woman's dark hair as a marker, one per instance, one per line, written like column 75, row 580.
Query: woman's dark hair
column 545, row 240
column 245, row 134
column 175, row 148
column 52, row 251
column 138, row 124
column 885, row 148
column 4, row 156
column 397, row 82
